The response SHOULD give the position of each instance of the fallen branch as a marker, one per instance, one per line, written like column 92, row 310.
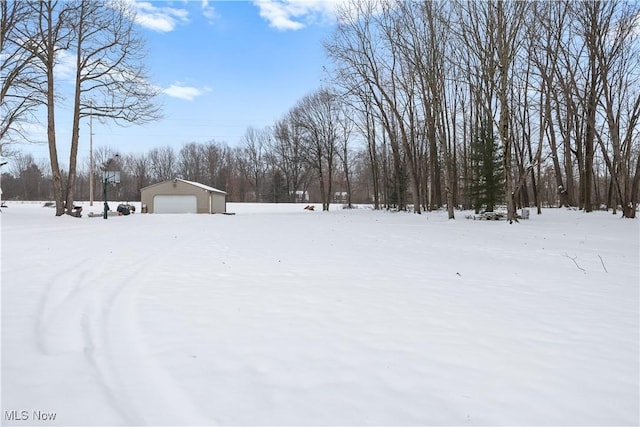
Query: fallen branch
column 602, row 262
column 575, row 262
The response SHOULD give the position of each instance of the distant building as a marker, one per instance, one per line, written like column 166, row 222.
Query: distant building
column 182, row 196
column 340, row 197
column 301, row 196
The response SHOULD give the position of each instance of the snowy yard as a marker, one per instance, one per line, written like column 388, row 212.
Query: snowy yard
column 281, row 316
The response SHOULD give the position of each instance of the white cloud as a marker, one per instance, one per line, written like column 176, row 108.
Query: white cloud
column 65, row 65
column 208, row 11
column 188, row 93
column 296, row 14
column 161, row 19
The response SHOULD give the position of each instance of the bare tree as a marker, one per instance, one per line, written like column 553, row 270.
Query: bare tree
column 110, row 79
column 617, row 61
column 365, row 66
column 47, row 35
column 546, row 32
column 362, row 119
column 191, row 162
column 256, row 142
column 286, row 149
column 21, row 84
column 400, row 95
column 345, row 129
column 368, row 129
column 28, row 174
column 316, row 115
column 423, row 42
column 590, row 16
column 162, row 163
column 213, row 156
column 138, row 165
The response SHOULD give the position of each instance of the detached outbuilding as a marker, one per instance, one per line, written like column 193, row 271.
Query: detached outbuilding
column 182, row 196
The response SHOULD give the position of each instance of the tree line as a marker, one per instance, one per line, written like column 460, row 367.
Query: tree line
column 260, row 169
column 441, row 105
column 453, row 86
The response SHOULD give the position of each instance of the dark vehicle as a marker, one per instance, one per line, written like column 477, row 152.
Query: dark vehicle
column 125, row 209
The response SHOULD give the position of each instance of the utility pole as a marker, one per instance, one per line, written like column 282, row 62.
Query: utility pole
column 91, row 157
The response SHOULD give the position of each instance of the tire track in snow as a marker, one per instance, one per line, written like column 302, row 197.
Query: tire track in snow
column 142, row 390
column 58, row 327
column 89, row 309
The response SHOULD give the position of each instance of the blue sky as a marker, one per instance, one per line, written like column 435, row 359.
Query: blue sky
column 223, row 66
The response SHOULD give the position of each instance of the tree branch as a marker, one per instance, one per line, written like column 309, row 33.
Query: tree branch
column 575, row 262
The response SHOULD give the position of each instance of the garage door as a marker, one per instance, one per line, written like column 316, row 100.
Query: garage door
column 175, row 204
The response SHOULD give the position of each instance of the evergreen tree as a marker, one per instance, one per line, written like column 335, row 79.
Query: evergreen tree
column 277, row 189
column 487, row 181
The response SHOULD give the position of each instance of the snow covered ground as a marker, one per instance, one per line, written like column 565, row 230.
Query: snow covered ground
column 281, row 316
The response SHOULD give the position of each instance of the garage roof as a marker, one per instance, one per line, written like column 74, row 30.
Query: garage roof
column 195, row 184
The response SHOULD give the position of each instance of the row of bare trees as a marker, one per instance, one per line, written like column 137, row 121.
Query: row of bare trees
column 269, row 166
column 553, row 82
column 104, row 54
column 253, row 172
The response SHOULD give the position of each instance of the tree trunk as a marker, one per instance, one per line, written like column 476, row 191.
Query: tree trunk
column 51, row 122
column 75, row 131
column 587, row 187
column 375, row 172
column 504, row 121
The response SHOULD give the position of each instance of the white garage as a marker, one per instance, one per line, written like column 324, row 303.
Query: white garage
column 182, row 196
column 175, row 204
